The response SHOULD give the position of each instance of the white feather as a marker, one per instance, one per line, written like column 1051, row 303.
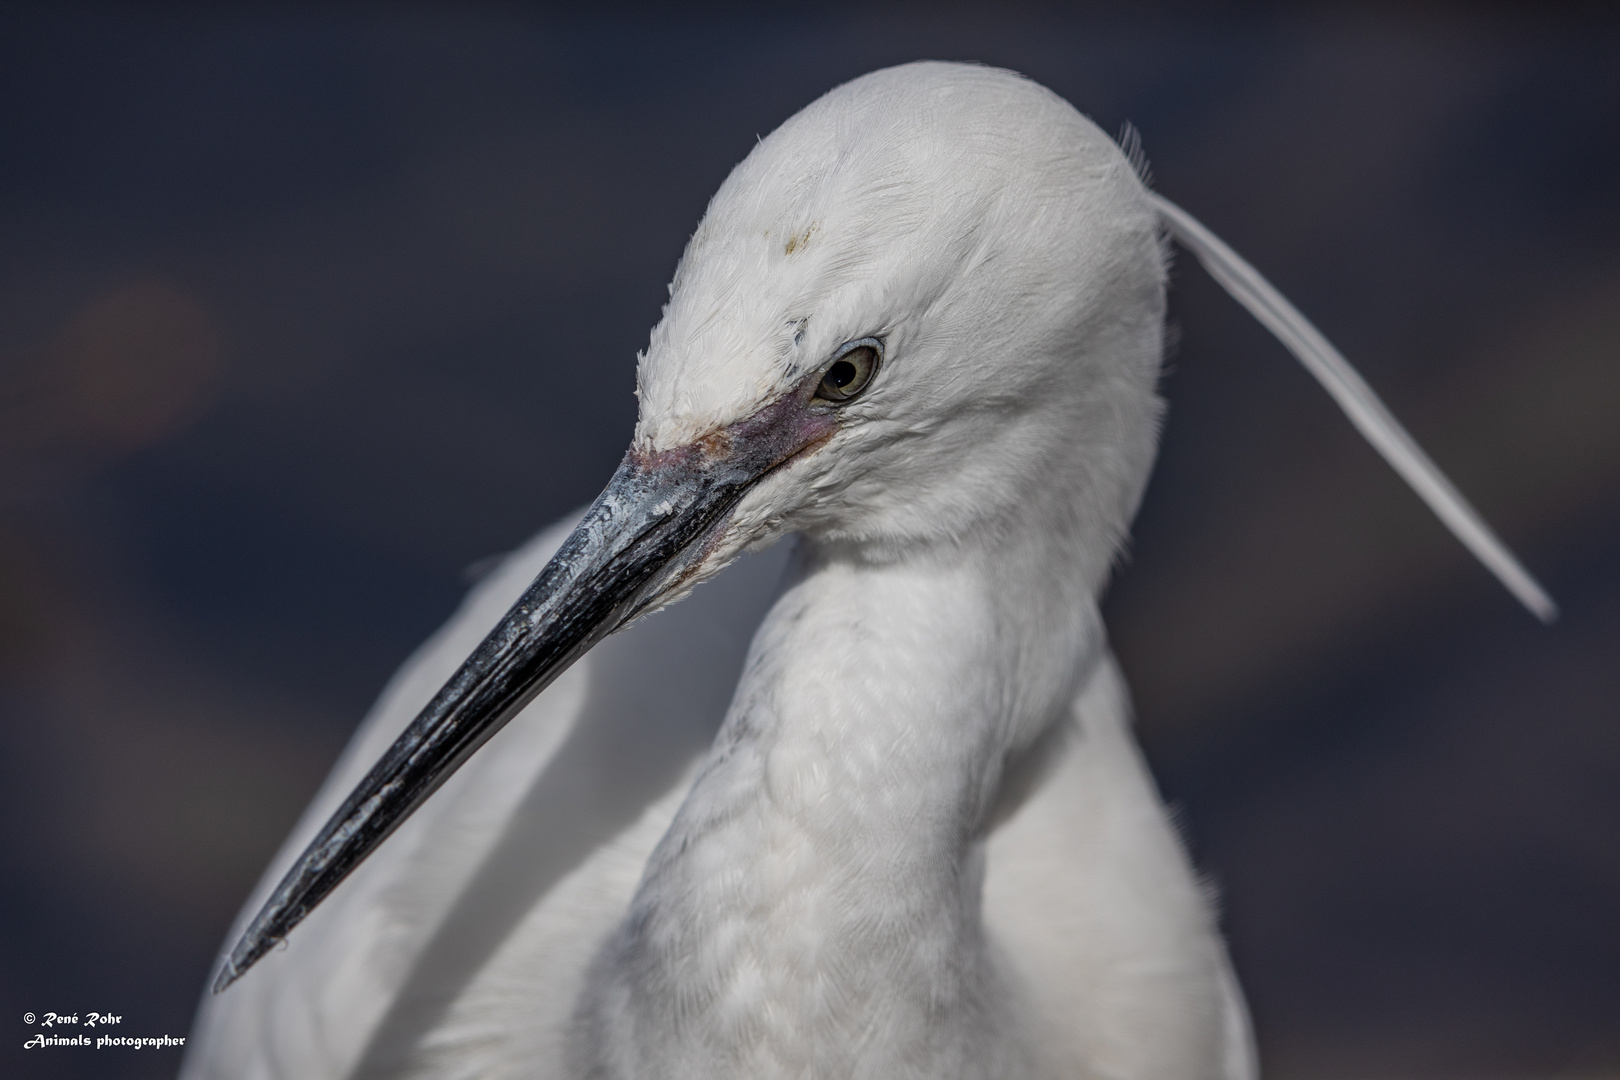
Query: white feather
column 1358, row 401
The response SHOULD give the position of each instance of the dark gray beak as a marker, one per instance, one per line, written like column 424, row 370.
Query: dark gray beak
column 648, row 531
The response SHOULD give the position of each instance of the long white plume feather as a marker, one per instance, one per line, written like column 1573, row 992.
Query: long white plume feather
column 1358, row 401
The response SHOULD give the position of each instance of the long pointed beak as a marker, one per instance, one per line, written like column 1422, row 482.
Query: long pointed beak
column 647, row 532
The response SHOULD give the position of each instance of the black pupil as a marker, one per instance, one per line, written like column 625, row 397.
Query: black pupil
column 840, row 375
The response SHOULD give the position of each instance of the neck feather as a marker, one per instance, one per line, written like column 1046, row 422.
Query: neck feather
column 822, row 880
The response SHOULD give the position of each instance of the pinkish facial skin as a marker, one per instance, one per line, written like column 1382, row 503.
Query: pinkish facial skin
column 793, row 424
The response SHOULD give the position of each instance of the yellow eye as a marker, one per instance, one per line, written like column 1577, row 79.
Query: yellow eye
column 851, row 369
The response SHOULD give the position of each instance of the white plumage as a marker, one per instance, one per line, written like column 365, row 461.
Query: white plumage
column 909, row 834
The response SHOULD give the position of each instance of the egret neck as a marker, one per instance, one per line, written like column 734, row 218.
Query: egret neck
column 822, row 881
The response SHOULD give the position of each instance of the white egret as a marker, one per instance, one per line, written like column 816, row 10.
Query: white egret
column 921, row 327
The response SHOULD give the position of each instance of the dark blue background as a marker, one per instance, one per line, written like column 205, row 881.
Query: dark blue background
column 303, row 312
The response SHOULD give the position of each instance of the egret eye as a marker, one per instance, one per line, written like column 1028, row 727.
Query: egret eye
column 851, row 369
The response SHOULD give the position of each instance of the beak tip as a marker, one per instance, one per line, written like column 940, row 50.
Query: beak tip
column 227, row 975
column 250, row 948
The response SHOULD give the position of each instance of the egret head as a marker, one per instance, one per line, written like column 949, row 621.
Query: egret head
column 988, row 250
column 925, row 309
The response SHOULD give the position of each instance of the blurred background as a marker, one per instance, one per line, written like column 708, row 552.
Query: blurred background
column 304, row 312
